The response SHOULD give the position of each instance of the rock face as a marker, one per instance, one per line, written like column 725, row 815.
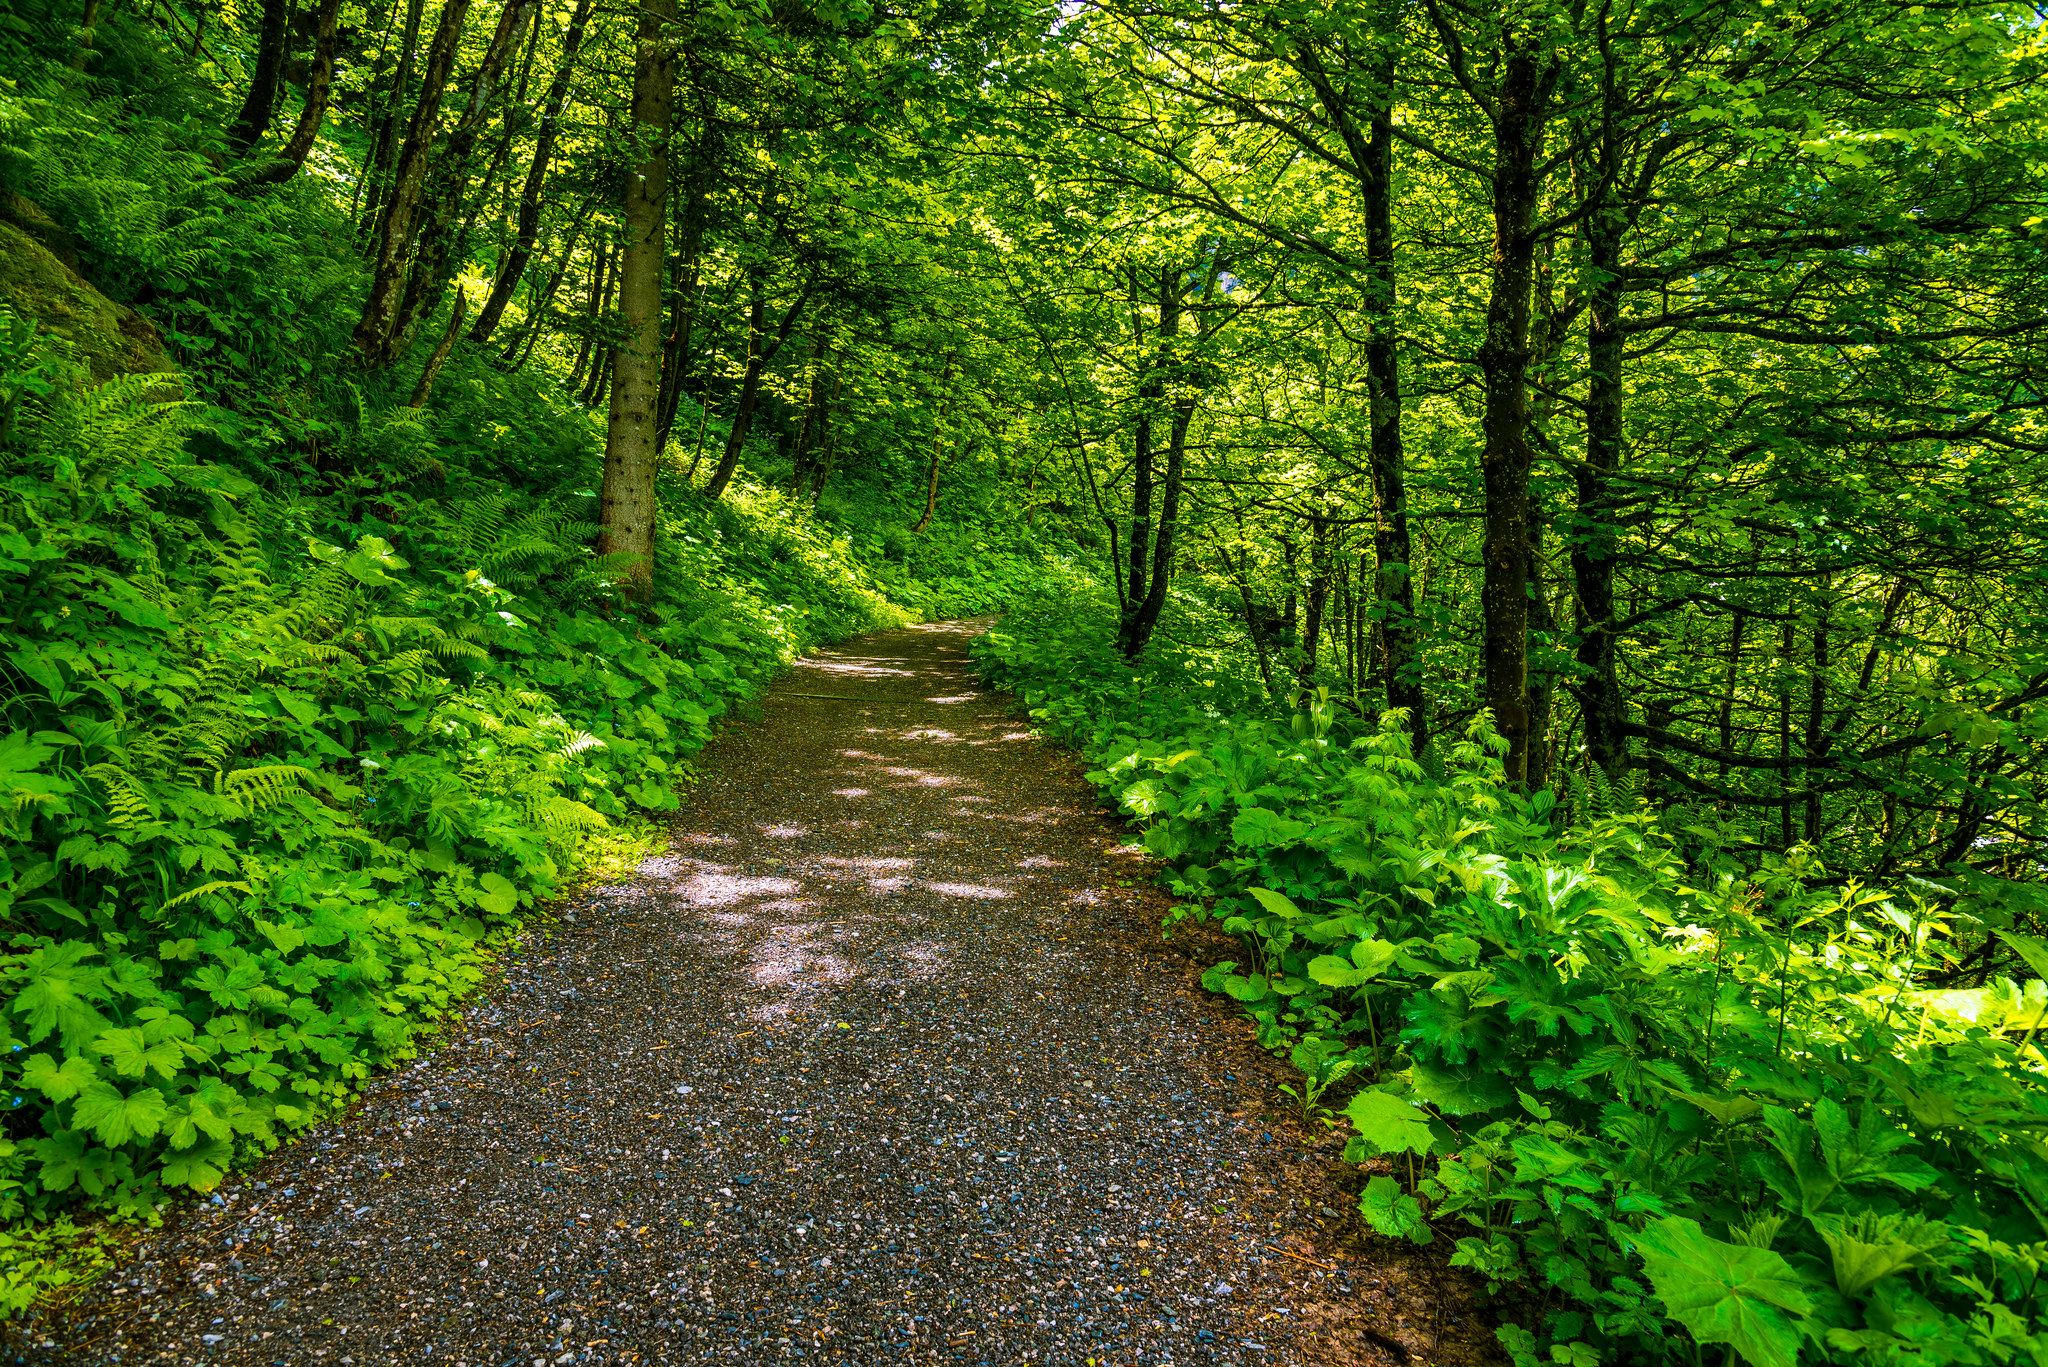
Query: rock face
column 39, row 278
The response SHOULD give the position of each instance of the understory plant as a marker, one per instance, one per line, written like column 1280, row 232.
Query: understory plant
column 1683, row 1111
column 276, row 763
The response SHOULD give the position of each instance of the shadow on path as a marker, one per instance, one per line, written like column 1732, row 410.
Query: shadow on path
column 863, row 1071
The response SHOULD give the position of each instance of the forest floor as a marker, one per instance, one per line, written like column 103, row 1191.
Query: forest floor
column 885, row 1062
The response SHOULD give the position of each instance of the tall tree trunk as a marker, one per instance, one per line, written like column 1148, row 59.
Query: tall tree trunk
column 1787, row 642
column 435, row 241
column 1542, row 623
column 384, row 145
column 600, row 347
column 1602, row 709
column 319, row 90
column 601, row 258
column 1816, row 714
column 1392, row 548
column 1316, row 598
column 521, row 345
column 1736, row 630
column 824, row 471
column 439, row 356
column 377, row 326
column 528, row 230
column 88, row 25
column 807, row 429
column 1519, row 118
column 1146, row 620
column 750, row 380
column 931, row 489
column 1137, row 586
column 631, row 455
column 261, row 101
column 678, row 359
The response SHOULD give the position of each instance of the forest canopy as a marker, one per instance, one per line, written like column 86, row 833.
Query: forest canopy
column 1613, row 432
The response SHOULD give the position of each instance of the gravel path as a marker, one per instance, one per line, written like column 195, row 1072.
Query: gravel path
column 883, row 1064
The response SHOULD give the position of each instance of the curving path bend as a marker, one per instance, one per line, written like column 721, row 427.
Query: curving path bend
column 883, row 1064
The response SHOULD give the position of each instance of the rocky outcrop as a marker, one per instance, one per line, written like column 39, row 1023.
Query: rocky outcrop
column 39, row 279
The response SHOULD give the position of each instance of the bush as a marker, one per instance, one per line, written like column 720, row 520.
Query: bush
column 1665, row 1107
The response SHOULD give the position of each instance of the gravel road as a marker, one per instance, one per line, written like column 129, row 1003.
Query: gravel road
column 883, row 1063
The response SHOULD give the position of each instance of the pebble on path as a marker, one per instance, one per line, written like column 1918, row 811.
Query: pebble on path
column 883, row 1063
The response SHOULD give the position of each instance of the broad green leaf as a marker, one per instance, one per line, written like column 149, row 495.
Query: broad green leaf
column 499, row 897
column 1274, row 902
column 1869, row 1247
column 59, row 1083
column 1247, row 989
column 2029, row 948
column 1331, row 971
column 57, row 991
column 200, row 1166
column 286, row 938
column 1393, row 1212
column 115, row 1119
column 131, row 1054
column 1387, row 1124
column 1748, row 1298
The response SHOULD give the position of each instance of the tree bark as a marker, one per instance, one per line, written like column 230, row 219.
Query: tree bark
column 528, row 231
column 377, row 328
column 831, row 440
column 439, row 356
column 631, row 455
column 319, row 91
column 384, row 146
column 1315, row 598
column 1519, row 118
column 1816, row 713
column 521, row 346
column 261, row 101
column 1392, row 548
column 760, row 350
column 436, row 243
column 1602, row 709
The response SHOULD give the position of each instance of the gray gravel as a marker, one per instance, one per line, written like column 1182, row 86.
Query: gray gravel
column 882, row 1064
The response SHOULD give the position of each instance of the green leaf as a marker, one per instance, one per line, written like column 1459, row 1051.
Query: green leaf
column 1870, row 1247
column 1273, row 901
column 131, row 1054
column 58, row 1083
column 286, row 938
column 69, row 1158
column 1247, row 989
column 1393, row 1212
column 200, row 1167
column 499, row 896
column 55, row 992
column 1748, row 1298
column 1388, row 1124
column 2034, row 951
column 1331, row 971
column 116, row 1119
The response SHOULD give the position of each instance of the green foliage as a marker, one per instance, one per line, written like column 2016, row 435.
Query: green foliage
column 1670, row 1106
column 271, row 783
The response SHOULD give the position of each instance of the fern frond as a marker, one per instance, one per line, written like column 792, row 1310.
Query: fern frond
column 264, row 786
column 202, row 890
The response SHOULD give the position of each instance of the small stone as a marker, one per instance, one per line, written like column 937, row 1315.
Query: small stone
column 1222, row 1289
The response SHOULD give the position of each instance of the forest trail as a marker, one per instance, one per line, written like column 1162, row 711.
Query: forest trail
column 880, row 1065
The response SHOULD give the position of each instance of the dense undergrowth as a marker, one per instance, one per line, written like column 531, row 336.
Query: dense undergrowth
column 307, row 696
column 1670, row 1106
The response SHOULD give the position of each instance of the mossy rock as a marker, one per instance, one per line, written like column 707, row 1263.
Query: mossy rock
column 104, row 337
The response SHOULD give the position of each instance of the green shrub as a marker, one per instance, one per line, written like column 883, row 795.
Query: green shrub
column 1676, row 1109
